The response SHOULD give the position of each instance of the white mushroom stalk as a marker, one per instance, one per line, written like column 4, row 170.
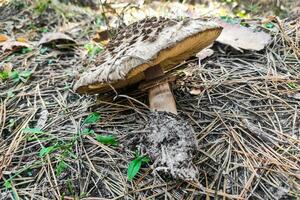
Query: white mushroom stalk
column 160, row 96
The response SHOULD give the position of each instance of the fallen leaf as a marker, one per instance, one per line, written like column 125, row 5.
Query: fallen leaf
column 56, row 38
column 240, row 37
column 14, row 45
column 3, row 38
column 7, row 67
column 102, row 36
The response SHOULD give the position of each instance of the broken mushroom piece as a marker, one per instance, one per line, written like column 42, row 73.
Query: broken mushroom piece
column 145, row 50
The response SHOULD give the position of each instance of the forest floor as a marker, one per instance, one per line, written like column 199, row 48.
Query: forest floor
column 243, row 105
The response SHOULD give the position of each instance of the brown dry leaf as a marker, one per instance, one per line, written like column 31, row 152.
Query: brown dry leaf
column 3, row 38
column 7, row 67
column 14, row 45
column 240, row 37
column 57, row 38
column 102, row 36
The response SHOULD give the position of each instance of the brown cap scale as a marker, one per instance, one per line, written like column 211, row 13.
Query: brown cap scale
column 144, row 50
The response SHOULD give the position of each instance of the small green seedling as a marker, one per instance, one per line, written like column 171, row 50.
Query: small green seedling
column 17, row 76
column 10, row 94
column 269, row 25
column 33, row 130
column 136, row 164
column 26, row 50
column 93, row 49
column 41, row 6
column 62, row 165
column 43, row 50
column 4, row 75
column 241, row 14
column 230, row 20
column 7, row 184
column 47, row 150
column 292, row 85
column 87, row 131
column 107, row 139
column 92, row 118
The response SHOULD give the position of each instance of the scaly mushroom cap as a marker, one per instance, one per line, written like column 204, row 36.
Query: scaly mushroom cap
column 149, row 42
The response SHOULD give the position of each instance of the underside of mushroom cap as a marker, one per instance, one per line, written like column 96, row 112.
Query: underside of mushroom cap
column 143, row 44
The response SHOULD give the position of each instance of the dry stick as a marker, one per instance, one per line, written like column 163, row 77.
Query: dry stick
column 100, row 176
column 2, row 117
column 248, row 184
column 14, row 144
column 286, row 38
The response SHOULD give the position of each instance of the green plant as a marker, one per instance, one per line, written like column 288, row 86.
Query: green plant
column 230, row 20
column 136, row 164
column 292, row 85
column 93, row 49
column 41, row 6
column 17, row 76
column 26, row 50
column 107, row 139
column 4, row 75
column 47, row 150
column 33, row 130
column 269, row 25
column 61, row 166
column 92, row 118
column 10, row 94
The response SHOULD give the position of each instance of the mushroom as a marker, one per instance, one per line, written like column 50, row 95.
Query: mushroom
column 145, row 50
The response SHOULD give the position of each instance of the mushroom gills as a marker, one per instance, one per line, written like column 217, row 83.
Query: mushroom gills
column 160, row 96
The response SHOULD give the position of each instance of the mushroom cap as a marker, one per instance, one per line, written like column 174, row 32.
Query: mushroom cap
column 149, row 42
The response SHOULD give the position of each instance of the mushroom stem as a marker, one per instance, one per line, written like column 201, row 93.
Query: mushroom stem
column 160, row 96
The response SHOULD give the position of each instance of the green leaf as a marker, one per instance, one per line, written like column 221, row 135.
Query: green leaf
column 10, row 94
column 241, row 14
column 43, row 30
column 46, row 150
column 292, row 85
column 25, row 74
column 4, row 75
column 229, row 19
column 43, row 50
column 87, row 131
column 145, row 159
column 50, row 61
column 33, row 130
column 26, row 50
column 269, row 25
column 92, row 118
column 41, row 6
column 7, row 184
column 15, row 76
column 62, row 165
column 93, row 49
column 107, row 139
column 134, row 168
